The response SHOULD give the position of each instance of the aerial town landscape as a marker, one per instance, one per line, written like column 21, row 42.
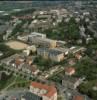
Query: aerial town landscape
column 48, row 50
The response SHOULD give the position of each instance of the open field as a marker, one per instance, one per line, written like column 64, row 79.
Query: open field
column 16, row 45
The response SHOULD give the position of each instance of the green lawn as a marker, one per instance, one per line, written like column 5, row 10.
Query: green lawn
column 5, row 83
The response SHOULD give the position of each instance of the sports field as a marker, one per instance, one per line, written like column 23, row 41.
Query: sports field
column 16, row 45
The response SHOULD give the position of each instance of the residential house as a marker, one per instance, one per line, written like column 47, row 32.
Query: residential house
column 17, row 62
column 69, row 71
column 26, row 68
column 34, row 69
column 37, row 25
column 78, row 56
column 46, row 92
column 79, row 97
column 71, row 83
column 29, row 60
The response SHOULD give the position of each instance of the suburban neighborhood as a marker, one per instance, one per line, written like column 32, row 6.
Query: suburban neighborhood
column 48, row 50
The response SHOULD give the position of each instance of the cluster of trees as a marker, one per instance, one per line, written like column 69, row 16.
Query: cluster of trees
column 56, row 78
column 72, row 30
column 87, row 88
column 64, row 30
column 18, row 28
column 91, row 49
column 5, row 79
column 45, row 64
column 7, row 51
column 1, row 67
column 21, row 82
column 1, row 38
column 88, row 68
column 51, row 34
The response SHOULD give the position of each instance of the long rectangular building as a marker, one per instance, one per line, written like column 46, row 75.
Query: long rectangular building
column 44, row 42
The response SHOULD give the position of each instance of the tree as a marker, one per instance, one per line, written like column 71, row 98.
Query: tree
column 1, row 38
column 7, row 51
column 73, row 29
column 87, row 88
column 87, row 68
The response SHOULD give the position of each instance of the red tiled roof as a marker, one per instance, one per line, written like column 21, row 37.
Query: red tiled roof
column 77, row 55
column 51, row 90
column 29, row 60
column 18, row 62
column 69, row 69
column 78, row 97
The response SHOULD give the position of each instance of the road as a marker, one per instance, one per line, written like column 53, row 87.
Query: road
column 15, row 71
column 9, row 95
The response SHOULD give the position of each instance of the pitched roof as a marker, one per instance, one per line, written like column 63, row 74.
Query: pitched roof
column 18, row 62
column 29, row 60
column 33, row 68
column 78, row 56
column 78, row 97
column 69, row 69
column 51, row 90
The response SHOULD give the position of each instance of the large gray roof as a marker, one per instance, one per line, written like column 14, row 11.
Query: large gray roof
column 31, row 96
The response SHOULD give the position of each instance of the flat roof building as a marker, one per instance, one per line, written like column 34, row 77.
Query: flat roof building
column 36, row 34
column 51, row 54
column 44, row 42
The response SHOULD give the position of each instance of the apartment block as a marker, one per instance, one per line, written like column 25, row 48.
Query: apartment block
column 44, row 42
column 45, row 91
column 51, row 54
